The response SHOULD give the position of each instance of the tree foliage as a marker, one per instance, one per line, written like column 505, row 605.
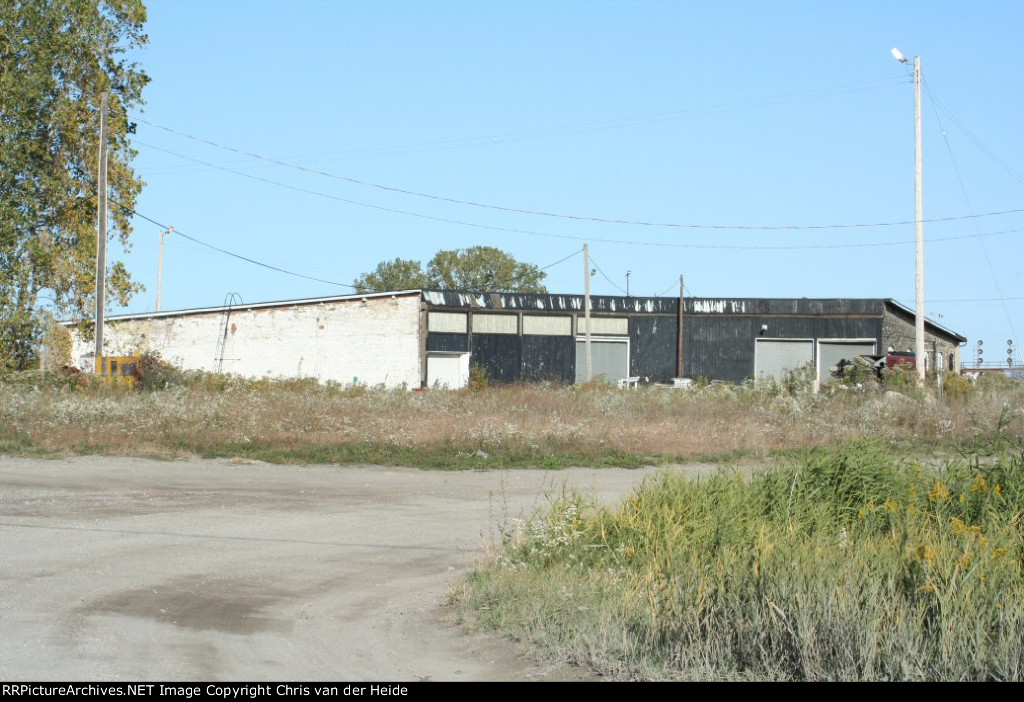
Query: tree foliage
column 56, row 59
column 478, row 268
column 400, row 274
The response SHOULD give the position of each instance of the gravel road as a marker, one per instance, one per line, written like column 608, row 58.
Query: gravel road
column 130, row 569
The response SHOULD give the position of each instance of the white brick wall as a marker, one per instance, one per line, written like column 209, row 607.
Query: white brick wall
column 371, row 342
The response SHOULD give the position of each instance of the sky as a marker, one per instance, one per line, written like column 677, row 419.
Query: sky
column 731, row 142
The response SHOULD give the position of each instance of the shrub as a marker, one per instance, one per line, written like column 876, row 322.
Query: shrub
column 154, row 373
column 477, row 379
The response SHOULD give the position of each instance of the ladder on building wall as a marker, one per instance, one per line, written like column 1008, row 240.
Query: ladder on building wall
column 230, row 300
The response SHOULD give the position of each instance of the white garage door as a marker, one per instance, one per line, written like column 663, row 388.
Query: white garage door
column 447, row 370
column 776, row 357
column 831, row 352
column 610, row 359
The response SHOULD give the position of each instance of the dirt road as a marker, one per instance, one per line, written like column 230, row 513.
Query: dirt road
column 124, row 569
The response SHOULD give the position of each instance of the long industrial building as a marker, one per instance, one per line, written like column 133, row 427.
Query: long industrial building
column 420, row 338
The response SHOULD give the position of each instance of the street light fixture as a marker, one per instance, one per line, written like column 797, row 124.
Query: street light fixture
column 919, row 216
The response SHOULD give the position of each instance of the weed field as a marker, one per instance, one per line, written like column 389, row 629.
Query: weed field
column 839, row 564
column 300, row 421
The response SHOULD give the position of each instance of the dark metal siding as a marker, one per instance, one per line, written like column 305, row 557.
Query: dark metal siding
column 721, row 347
column 444, row 341
column 653, row 346
column 719, row 334
column 549, row 358
column 500, row 355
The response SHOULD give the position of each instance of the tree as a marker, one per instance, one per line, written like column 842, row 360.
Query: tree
column 400, row 274
column 478, row 268
column 484, row 268
column 56, row 59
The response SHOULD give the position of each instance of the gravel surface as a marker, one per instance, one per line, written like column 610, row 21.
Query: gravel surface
column 135, row 569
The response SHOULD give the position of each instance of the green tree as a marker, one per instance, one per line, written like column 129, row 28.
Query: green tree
column 484, row 269
column 478, row 268
column 400, row 274
column 56, row 58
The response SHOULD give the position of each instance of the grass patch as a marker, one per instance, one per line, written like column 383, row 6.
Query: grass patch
column 841, row 564
column 300, row 421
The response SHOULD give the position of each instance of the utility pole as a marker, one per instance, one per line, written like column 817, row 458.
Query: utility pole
column 682, row 302
column 919, row 205
column 101, row 232
column 586, row 311
column 919, row 357
column 160, row 266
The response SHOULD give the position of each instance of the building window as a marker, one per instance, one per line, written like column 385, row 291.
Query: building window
column 611, row 326
column 448, row 322
column 542, row 325
column 495, row 324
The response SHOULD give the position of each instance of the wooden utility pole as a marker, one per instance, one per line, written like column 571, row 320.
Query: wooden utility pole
column 682, row 303
column 101, row 232
column 586, row 312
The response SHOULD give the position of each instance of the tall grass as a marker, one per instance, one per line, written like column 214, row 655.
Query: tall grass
column 528, row 425
column 844, row 564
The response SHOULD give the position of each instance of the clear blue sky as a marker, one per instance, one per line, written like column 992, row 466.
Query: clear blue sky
column 753, row 114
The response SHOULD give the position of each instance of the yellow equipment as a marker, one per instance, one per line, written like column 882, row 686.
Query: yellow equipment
column 118, row 370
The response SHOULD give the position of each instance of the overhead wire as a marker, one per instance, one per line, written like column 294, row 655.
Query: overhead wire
column 193, row 239
column 530, row 232
column 598, row 268
column 510, row 281
column 558, row 215
column 247, row 259
column 970, row 208
column 938, row 105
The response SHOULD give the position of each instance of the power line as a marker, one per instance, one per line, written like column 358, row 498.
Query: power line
column 686, row 290
column 937, row 104
column 975, row 299
column 164, row 227
column 616, row 123
column 510, row 281
column 557, row 215
column 193, row 239
column 967, row 199
column 552, row 235
column 614, row 284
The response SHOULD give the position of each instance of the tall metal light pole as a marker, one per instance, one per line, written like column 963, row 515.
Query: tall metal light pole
column 919, row 358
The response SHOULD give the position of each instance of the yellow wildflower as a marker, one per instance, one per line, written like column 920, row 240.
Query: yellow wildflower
column 979, row 484
column 890, row 505
column 939, row 493
column 999, row 490
column 927, row 587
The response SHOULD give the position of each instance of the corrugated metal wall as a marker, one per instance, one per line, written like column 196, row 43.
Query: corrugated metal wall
column 719, row 333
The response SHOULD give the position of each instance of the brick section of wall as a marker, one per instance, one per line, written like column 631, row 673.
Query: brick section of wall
column 372, row 342
column 899, row 333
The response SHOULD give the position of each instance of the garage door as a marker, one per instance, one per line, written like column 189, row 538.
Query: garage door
column 446, row 370
column 831, row 352
column 776, row 357
column 610, row 359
